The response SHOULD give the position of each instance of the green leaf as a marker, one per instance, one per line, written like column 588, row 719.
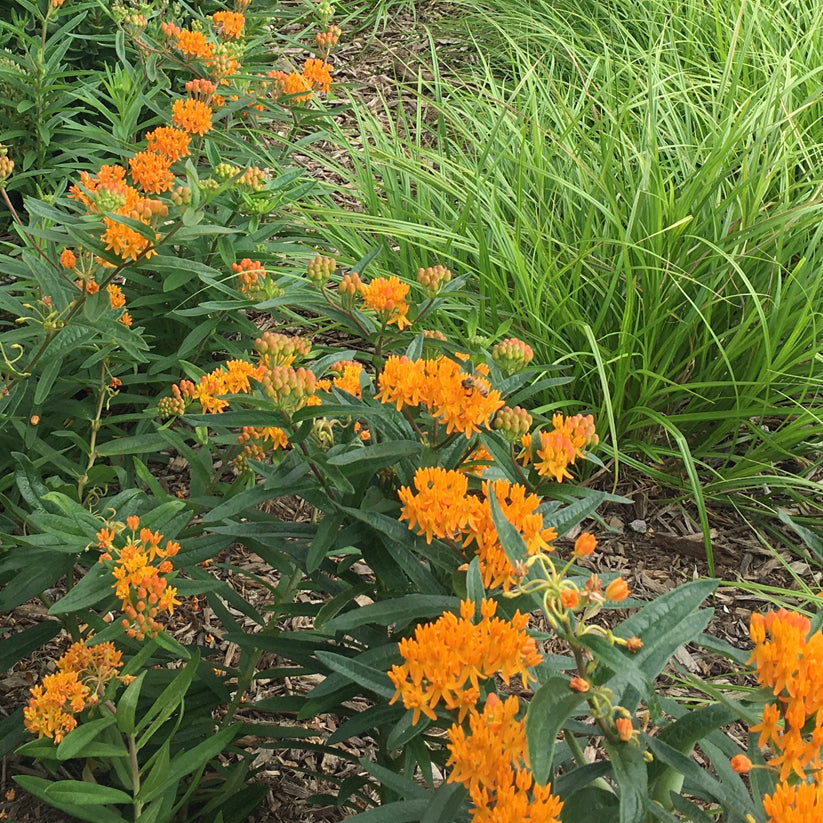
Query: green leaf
column 564, row 519
column 399, row 611
column 95, row 586
column 365, row 676
column 444, row 805
column 323, row 540
column 553, row 703
column 47, row 378
column 401, row 811
column 40, row 788
column 189, row 760
column 85, row 794
column 135, row 444
column 168, row 700
column 75, row 741
column 127, row 705
column 632, row 780
column 814, row 543
column 375, row 457
column 14, row 647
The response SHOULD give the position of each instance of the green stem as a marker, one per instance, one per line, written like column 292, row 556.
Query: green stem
column 95, row 427
column 135, row 776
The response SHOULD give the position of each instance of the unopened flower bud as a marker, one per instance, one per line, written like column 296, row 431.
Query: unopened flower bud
column 624, row 727
column 578, row 684
column 585, row 544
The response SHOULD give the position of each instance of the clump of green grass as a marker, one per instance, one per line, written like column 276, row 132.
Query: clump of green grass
column 635, row 189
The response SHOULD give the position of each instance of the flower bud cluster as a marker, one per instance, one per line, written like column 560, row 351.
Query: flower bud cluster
column 512, row 355
column 6, row 164
column 512, row 422
column 171, row 406
column 181, row 196
column 349, row 287
column 328, row 39
column 320, row 269
column 223, row 171
column 433, row 279
column 253, row 178
column 288, row 389
column 201, row 88
column 281, row 350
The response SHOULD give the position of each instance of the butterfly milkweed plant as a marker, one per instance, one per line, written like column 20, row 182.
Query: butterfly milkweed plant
column 181, row 366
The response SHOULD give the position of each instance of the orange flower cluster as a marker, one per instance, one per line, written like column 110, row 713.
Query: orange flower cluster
column 441, row 507
column 790, row 663
column 521, row 510
column 193, row 116
column 140, row 585
column 492, row 762
column 81, row 677
column 387, row 297
column 552, row 452
column 228, row 24
column 316, row 76
column 446, row 659
column 463, row 402
column 347, row 377
column 233, row 379
column 117, row 301
column 801, row 803
column 250, row 275
column 168, row 142
column 107, row 191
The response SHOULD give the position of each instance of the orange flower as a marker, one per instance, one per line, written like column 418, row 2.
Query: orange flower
column 492, row 762
column 585, row 544
column 150, row 171
column 116, row 298
column 169, row 142
column 229, row 24
column 801, row 803
column 194, row 44
column 141, row 586
column 561, row 446
column 387, row 297
column 625, row 731
column 440, row 507
column 741, row 764
column 521, row 510
column 463, row 402
column 293, row 85
column 447, row 659
column 81, row 677
column 569, row 598
column 348, row 379
column 193, row 116
column 318, row 74
column 617, row 590
column 578, row 684
column 67, row 259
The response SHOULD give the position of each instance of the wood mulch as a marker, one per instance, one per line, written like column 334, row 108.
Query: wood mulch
column 655, row 545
